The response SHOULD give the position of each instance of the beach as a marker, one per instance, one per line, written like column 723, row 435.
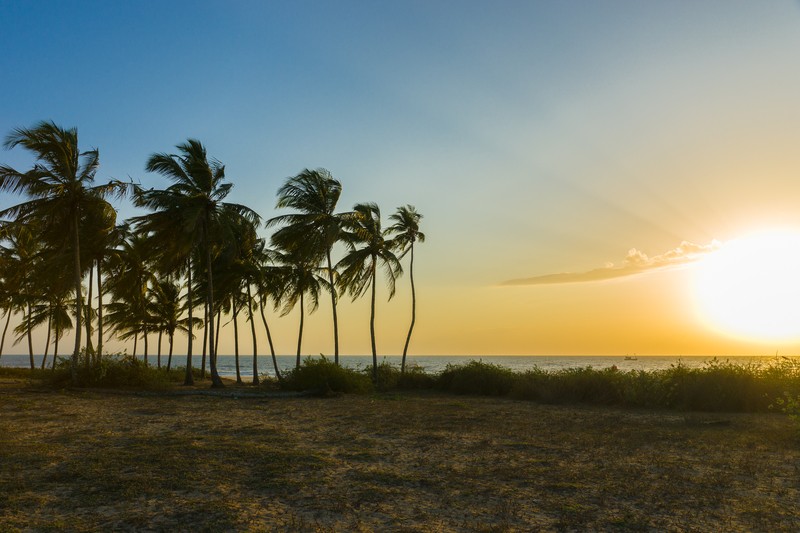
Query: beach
column 97, row 461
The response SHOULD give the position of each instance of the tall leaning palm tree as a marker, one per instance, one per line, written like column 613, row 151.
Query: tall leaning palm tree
column 368, row 248
column 315, row 229
column 406, row 231
column 59, row 188
column 192, row 211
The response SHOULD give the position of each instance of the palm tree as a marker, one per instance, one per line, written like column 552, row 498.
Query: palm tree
column 368, row 247
column 24, row 258
column 59, row 191
column 268, row 285
column 243, row 270
column 297, row 278
column 166, row 308
column 197, row 215
column 406, row 230
column 133, row 275
column 315, row 229
column 103, row 237
column 9, row 286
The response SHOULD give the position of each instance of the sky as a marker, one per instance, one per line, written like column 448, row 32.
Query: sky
column 575, row 162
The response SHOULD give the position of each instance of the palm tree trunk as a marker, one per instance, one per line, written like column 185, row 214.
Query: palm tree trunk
column 135, row 342
column 160, row 333
column 47, row 342
column 333, row 305
column 78, row 296
column 269, row 339
column 188, row 379
column 99, row 312
column 216, row 381
column 205, row 340
column 89, row 347
column 219, row 327
column 253, row 332
column 169, row 359
column 144, row 335
column 30, row 336
column 55, row 347
column 236, row 339
column 413, row 310
column 372, row 327
column 5, row 329
column 300, row 336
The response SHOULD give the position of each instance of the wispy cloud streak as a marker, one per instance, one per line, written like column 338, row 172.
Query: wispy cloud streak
column 636, row 262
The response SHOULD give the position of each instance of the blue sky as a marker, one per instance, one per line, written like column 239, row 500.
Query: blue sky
column 535, row 137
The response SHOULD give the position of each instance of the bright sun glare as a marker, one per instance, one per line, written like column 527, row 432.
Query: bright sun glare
column 750, row 287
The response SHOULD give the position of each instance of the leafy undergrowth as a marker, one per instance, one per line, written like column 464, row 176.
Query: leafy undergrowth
column 721, row 386
column 113, row 371
column 717, row 386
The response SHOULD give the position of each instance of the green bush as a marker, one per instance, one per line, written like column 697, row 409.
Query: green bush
column 573, row 385
column 112, row 371
column 476, row 377
column 322, row 376
column 27, row 373
column 724, row 386
column 415, row 378
column 388, row 376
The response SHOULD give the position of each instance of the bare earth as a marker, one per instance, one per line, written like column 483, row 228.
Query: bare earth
column 95, row 461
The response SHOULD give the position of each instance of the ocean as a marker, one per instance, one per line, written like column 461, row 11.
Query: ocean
column 226, row 364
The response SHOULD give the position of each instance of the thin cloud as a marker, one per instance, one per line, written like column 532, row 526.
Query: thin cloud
column 636, row 262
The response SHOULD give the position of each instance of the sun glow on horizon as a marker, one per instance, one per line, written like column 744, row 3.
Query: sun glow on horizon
column 750, row 287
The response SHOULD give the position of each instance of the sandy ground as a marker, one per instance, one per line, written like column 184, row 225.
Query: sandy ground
column 89, row 461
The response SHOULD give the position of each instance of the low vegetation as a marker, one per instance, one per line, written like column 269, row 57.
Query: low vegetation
column 718, row 386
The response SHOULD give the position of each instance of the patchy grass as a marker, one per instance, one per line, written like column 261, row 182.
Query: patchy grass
column 407, row 461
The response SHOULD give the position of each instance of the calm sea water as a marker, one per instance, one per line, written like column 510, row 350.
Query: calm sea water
column 227, row 365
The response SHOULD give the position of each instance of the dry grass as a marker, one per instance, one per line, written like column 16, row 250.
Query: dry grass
column 403, row 462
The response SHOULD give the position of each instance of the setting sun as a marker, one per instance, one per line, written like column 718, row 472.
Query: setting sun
column 750, row 287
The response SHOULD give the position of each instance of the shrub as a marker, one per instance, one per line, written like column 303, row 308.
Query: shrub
column 415, row 378
column 718, row 386
column 112, row 371
column 388, row 376
column 789, row 404
column 322, row 376
column 476, row 377
column 28, row 373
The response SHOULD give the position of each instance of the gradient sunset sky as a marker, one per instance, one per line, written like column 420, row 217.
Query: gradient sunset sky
column 574, row 160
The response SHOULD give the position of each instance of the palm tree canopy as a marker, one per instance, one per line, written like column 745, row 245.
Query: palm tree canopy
column 368, row 246
column 315, row 228
column 292, row 277
column 60, row 181
column 405, row 228
column 195, row 196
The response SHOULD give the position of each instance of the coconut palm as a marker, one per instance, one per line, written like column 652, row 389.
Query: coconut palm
column 297, row 279
column 313, row 231
column 132, row 276
column 102, row 237
column 268, row 285
column 406, row 231
column 59, row 188
column 243, row 271
column 358, row 269
column 9, row 285
column 23, row 255
column 194, row 205
column 166, row 309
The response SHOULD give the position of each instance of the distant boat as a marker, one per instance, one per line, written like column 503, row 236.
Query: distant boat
column 631, row 358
